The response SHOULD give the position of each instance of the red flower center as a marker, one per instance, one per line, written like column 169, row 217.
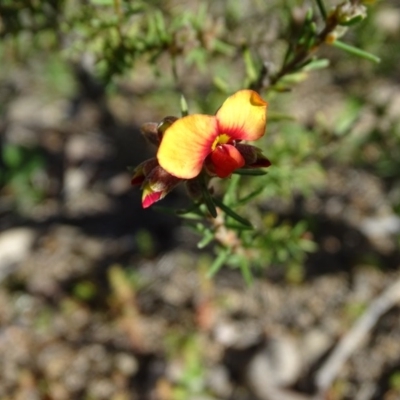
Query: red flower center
column 226, row 159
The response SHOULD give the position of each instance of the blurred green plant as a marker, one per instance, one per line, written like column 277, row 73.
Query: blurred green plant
column 21, row 166
column 85, row 290
column 187, row 354
column 394, row 382
column 226, row 48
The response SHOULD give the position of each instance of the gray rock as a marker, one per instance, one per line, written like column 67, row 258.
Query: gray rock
column 15, row 245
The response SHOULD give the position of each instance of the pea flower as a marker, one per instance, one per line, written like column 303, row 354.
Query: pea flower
column 156, row 183
column 188, row 145
column 198, row 140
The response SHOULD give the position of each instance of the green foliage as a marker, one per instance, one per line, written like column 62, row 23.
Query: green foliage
column 221, row 47
column 395, row 381
column 85, row 290
column 145, row 243
column 186, row 353
column 21, row 166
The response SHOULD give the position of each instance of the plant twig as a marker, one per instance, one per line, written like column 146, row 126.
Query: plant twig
column 352, row 340
column 303, row 53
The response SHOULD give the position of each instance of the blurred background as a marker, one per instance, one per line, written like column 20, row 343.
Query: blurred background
column 100, row 299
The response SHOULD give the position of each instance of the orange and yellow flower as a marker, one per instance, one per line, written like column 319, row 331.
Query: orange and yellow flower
column 203, row 142
column 198, row 140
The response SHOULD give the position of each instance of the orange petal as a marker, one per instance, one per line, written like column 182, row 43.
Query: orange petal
column 243, row 116
column 185, row 145
column 226, row 158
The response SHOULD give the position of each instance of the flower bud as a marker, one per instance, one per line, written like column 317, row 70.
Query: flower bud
column 154, row 132
column 194, row 189
column 157, row 185
column 164, row 125
column 253, row 156
column 150, row 132
column 349, row 13
column 142, row 171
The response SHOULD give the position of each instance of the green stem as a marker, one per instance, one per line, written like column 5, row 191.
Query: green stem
column 246, row 272
column 208, row 200
column 117, row 7
column 322, row 9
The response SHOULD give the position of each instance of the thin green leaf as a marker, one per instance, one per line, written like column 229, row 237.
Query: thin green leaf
column 246, row 271
column 151, row 36
column 313, row 28
column 321, row 7
column 356, row 51
column 195, row 209
column 224, row 48
column 251, row 69
column 316, row 64
column 102, row 2
column 208, row 200
column 221, row 84
column 184, row 106
column 272, row 117
column 189, row 213
column 200, row 16
column 232, row 213
column 239, row 228
column 230, row 194
column 192, row 217
column 207, row 239
column 210, row 206
column 250, row 172
column 291, row 79
column 251, row 196
column 309, row 16
column 353, row 21
column 160, row 25
column 218, row 262
column 309, row 37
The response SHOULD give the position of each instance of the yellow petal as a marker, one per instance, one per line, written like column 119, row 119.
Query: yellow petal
column 185, row 145
column 243, row 116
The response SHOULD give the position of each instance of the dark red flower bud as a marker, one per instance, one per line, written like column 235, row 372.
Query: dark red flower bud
column 253, row 156
column 157, row 185
column 150, row 132
column 164, row 125
column 142, row 171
